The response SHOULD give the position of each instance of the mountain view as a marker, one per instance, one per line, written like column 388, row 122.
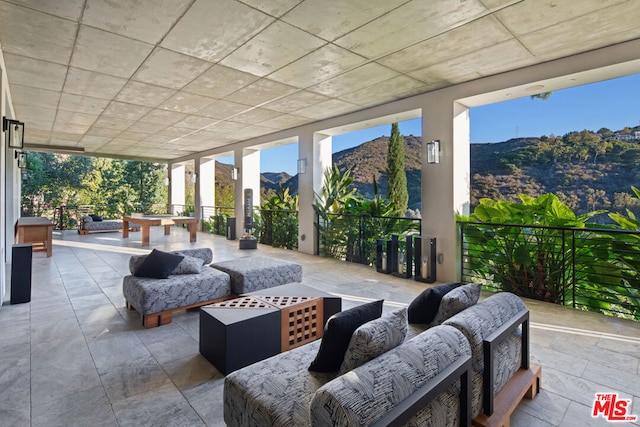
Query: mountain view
column 587, row 170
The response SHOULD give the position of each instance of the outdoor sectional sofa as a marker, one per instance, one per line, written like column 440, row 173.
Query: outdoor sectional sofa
column 437, row 376
column 88, row 225
column 163, row 288
column 189, row 285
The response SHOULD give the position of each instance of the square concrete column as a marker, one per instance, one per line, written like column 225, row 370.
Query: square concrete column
column 205, row 189
column 316, row 149
column 176, row 187
column 445, row 186
column 248, row 163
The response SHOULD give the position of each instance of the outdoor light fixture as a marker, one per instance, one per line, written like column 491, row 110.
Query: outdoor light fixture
column 433, row 152
column 234, row 173
column 13, row 133
column 302, row 165
column 194, row 178
column 22, row 159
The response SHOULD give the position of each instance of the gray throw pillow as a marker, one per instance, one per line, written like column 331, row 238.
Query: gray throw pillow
column 455, row 301
column 188, row 265
column 375, row 338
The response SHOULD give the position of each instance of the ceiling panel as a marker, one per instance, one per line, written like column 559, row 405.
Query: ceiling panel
column 34, row 72
column 339, row 17
column 145, row 20
column 211, row 30
column 425, row 19
column 144, row 94
column 36, row 96
column 35, row 34
column 99, row 85
column 104, row 52
column 219, row 81
column 170, row 69
column 276, row 46
column 322, row 64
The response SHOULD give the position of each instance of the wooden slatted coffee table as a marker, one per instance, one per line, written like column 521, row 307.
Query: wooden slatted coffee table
column 245, row 330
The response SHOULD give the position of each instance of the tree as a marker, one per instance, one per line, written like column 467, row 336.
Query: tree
column 396, row 175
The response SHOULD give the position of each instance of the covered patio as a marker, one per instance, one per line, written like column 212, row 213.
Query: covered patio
column 76, row 356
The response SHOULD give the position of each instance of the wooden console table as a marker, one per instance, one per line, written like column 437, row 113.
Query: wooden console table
column 35, row 230
column 147, row 221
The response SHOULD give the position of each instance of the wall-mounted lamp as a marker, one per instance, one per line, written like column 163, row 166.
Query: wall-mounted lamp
column 234, row 173
column 22, row 159
column 433, row 152
column 302, row 165
column 166, row 181
column 194, row 178
column 13, row 133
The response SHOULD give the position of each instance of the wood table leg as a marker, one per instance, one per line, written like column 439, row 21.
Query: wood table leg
column 145, row 234
column 167, row 230
column 49, row 241
column 192, row 232
column 125, row 228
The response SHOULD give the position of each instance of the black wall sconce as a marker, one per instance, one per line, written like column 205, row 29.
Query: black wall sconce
column 13, row 133
column 433, row 152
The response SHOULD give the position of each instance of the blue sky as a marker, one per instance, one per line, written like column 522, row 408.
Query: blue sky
column 613, row 104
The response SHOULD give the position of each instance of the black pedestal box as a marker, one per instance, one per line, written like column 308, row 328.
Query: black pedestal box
column 21, row 273
column 231, row 228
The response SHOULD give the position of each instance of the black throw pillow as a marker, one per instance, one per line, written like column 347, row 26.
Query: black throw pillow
column 158, row 265
column 424, row 307
column 96, row 218
column 337, row 334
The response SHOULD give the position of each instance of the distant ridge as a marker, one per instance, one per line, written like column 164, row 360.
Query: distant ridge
column 501, row 170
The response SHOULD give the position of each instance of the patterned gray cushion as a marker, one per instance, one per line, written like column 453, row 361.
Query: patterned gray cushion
column 275, row 391
column 188, row 265
column 453, row 302
column 375, row 338
column 155, row 295
column 206, row 254
column 477, row 323
column 363, row 395
column 255, row 273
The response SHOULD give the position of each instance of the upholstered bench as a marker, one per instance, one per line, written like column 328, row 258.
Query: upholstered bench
column 187, row 286
column 255, row 273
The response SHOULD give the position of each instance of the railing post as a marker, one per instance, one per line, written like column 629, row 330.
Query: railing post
column 61, row 219
column 573, row 269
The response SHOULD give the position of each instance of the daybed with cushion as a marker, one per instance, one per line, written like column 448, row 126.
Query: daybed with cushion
column 392, row 370
column 91, row 223
column 163, row 282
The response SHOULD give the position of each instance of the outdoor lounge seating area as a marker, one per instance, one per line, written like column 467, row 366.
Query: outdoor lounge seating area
column 77, row 356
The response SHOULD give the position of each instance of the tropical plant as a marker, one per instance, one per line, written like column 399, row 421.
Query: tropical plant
column 529, row 261
column 277, row 221
column 348, row 224
column 541, row 249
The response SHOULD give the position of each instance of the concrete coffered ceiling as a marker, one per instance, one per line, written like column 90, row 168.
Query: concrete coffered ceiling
column 164, row 79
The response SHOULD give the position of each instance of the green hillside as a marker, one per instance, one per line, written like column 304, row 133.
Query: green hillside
column 588, row 171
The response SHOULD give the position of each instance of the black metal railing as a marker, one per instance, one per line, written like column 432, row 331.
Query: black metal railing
column 278, row 228
column 69, row 216
column 586, row 268
column 214, row 219
column 352, row 238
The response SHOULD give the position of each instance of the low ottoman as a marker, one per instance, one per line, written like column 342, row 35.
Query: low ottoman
column 252, row 274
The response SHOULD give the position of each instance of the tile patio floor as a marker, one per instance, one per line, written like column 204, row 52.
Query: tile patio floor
column 75, row 355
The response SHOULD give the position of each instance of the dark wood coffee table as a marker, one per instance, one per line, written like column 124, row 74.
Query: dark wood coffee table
column 255, row 326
